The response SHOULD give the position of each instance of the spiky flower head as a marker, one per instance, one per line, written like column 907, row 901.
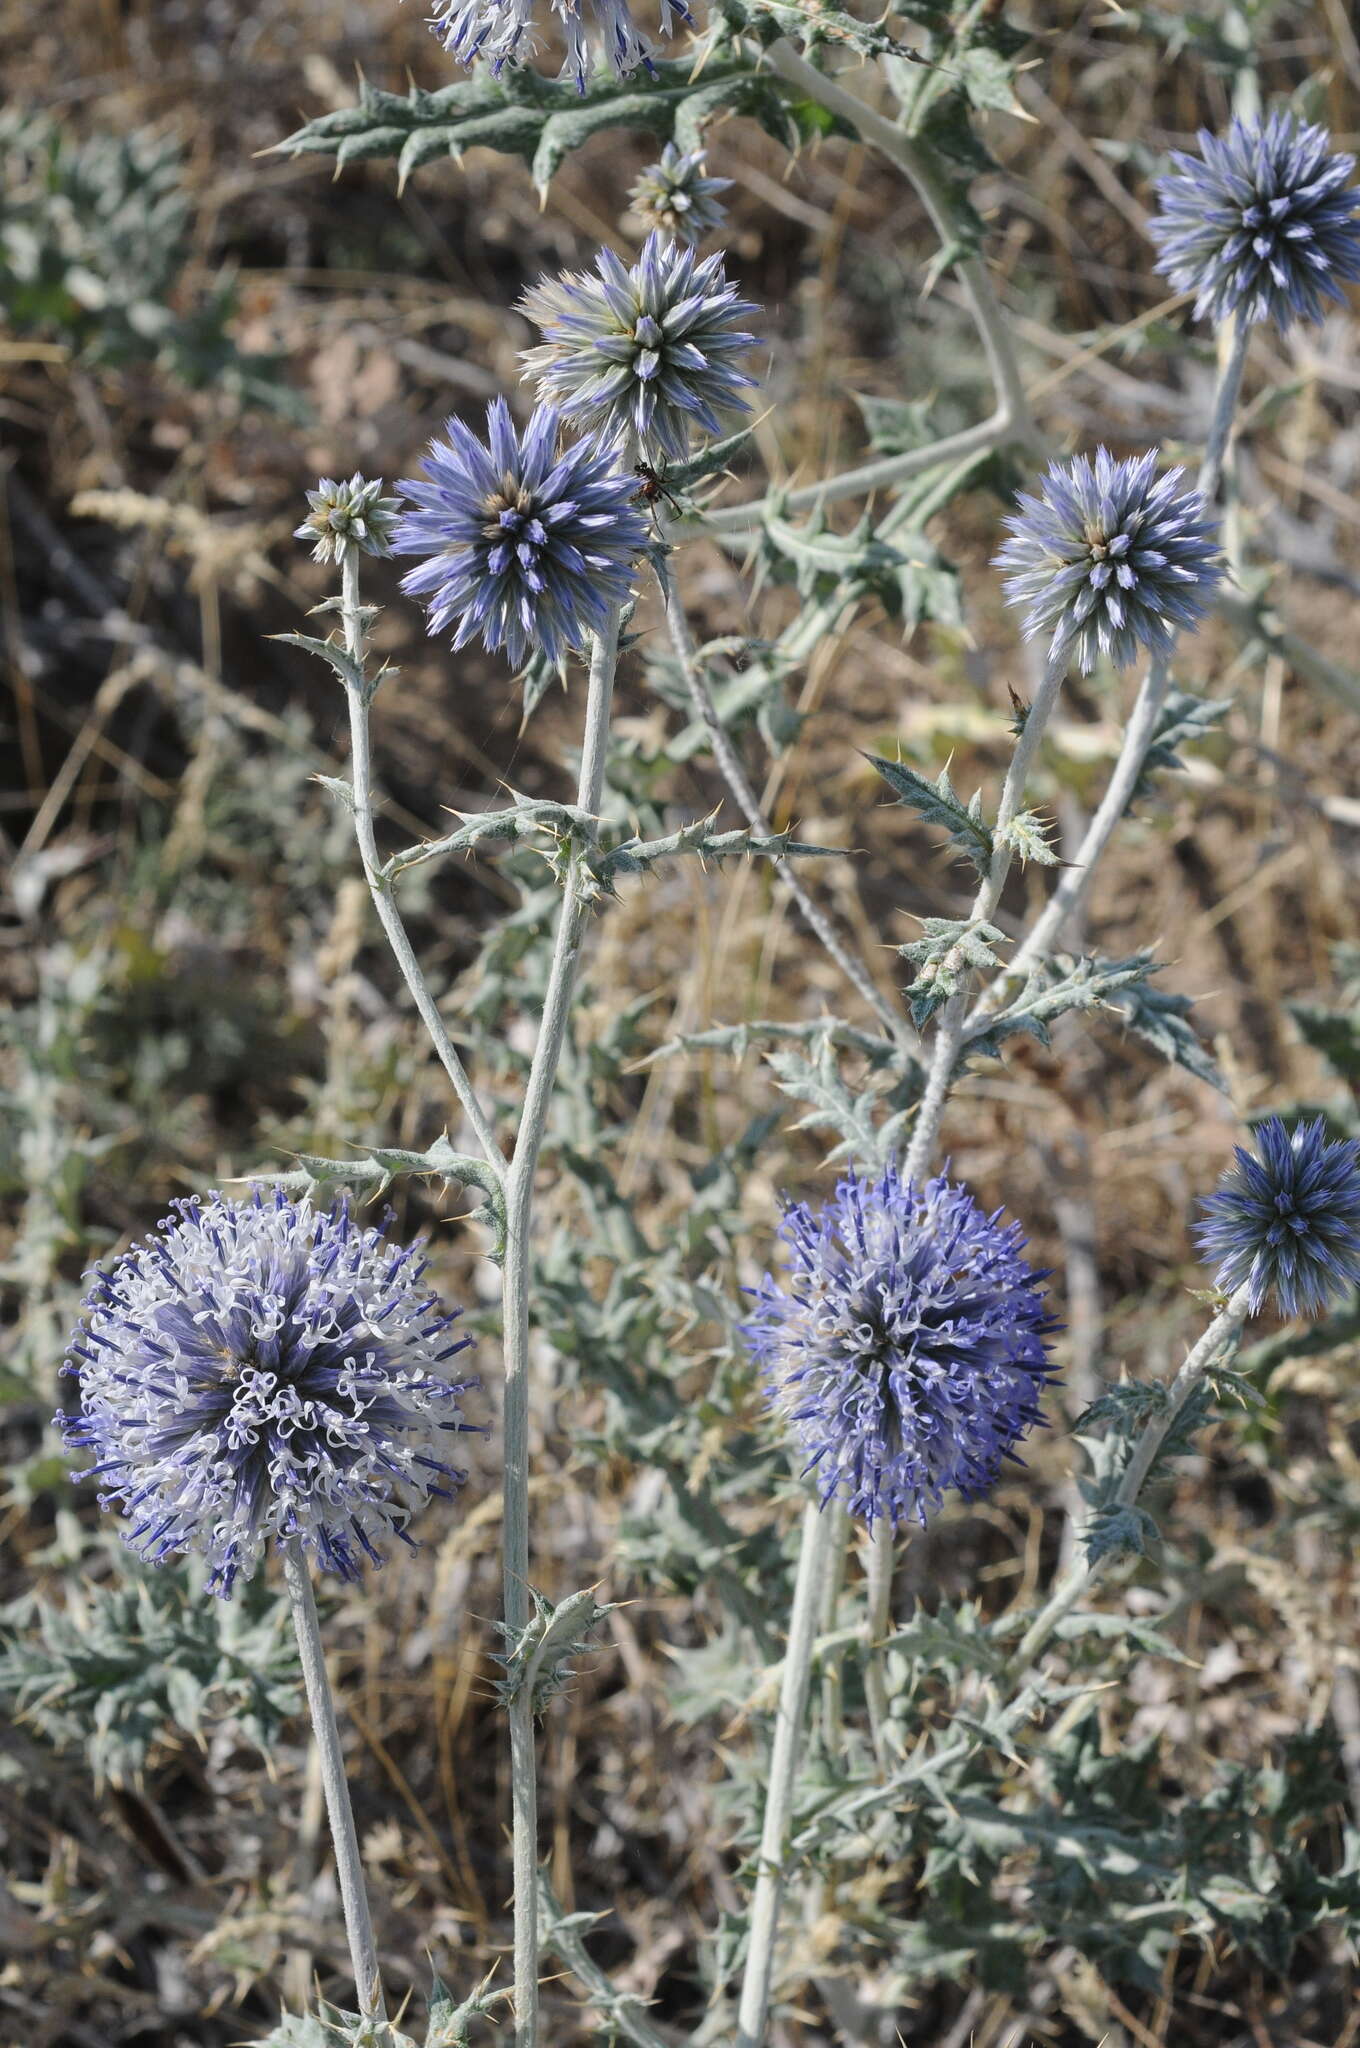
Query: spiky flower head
column 1260, row 222
column 645, row 353
column 1110, row 558
column 677, row 197
column 505, row 32
column 345, row 515
column 905, row 1342
column 1286, row 1218
column 261, row 1371
column 526, row 547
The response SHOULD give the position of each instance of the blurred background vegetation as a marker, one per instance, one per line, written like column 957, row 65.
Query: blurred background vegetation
column 192, row 332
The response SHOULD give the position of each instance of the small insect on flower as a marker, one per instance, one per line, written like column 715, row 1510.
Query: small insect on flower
column 677, row 196
column 345, row 515
column 1260, row 223
column 505, row 32
column 262, row 1370
column 905, row 1341
column 645, row 354
column 527, row 548
column 1111, row 558
column 1286, row 1219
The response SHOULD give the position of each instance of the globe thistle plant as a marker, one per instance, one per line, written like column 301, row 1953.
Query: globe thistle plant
column 505, row 32
column 1285, row 1219
column 1260, row 223
column 262, row 1371
column 677, row 197
column 344, row 515
column 905, row 1342
column 1110, row 559
column 526, row 547
column 646, row 353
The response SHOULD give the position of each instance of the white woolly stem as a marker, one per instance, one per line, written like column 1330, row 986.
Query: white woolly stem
column 361, row 772
column 349, row 1866
column 815, row 1552
column 571, row 926
column 880, row 1563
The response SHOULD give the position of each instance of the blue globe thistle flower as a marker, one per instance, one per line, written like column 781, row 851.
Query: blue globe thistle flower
column 905, row 1341
column 1260, row 223
column 1287, row 1221
column 258, row 1371
column 504, row 32
column 646, row 352
column 345, row 515
column 677, row 197
column 1111, row 558
column 526, row 547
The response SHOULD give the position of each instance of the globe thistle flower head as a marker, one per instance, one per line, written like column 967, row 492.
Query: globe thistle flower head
column 345, row 515
column 1285, row 1220
column 524, row 547
column 262, row 1371
column 504, row 32
column 1260, row 223
column 677, row 197
column 1110, row 559
column 646, row 354
column 905, row 1342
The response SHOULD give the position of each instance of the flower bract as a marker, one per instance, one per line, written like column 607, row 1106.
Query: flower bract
column 525, row 547
column 647, row 353
column 1110, row 558
column 505, row 32
column 345, row 515
column 676, row 196
column 1261, row 222
column 1285, row 1220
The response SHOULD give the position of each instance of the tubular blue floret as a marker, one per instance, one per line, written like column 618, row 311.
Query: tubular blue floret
column 259, row 1371
column 1261, row 222
column 645, row 354
column 1111, row 558
column 526, row 548
column 677, row 197
column 1285, row 1220
column 905, row 1342
column 505, row 32
column 344, row 515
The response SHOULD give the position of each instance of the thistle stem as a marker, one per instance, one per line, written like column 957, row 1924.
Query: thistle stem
column 361, row 772
column 571, row 926
column 950, row 1034
column 738, row 782
column 1220, row 1333
column 349, row 1867
column 880, row 1562
column 814, row 1557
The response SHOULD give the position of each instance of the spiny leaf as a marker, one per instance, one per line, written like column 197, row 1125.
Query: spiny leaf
column 1162, row 1021
column 634, row 856
column 375, row 1170
column 537, row 1661
column 1183, row 717
column 951, row 951
column 937, row 803
column 539, row 119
